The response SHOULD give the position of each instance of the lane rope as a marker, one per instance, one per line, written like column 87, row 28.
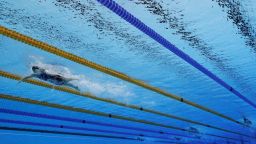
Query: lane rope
column 80, row 121
column 73, row 134
column 81, row 110
column 63, row 133
column 70, row 127
column 51, row 49
column 88, row 95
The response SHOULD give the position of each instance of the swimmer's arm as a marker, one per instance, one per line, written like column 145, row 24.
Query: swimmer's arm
column 27, row 77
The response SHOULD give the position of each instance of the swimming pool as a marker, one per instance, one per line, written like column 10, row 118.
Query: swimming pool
column 149, row 71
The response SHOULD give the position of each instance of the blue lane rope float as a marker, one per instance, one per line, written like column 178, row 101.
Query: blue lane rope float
column 64, row 133
column 77, row 134
column 45, row 125
column 119, row 10
column 70, row 127
column 82, row 121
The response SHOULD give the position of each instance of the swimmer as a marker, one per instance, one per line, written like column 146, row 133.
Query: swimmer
column 55, row 79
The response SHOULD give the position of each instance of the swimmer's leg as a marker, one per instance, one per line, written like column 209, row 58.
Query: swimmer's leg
column 25, row 78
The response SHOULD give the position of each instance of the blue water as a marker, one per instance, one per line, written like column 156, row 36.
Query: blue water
column 218, row 34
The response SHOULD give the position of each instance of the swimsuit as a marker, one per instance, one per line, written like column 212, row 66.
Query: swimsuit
column 56, row 79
